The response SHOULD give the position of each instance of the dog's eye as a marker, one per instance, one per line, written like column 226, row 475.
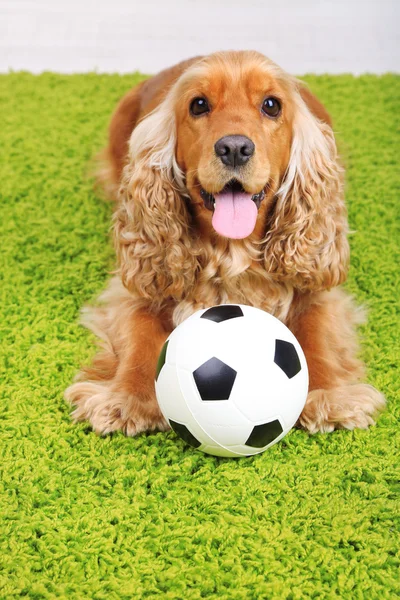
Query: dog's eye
column 199, row 106
column 271, row 107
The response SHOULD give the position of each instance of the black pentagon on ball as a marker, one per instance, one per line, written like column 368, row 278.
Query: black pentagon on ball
column 264, row 434
column 222, row 313
column 286, row 358
column 162, row 359
column 185, row 434
column 214, row 379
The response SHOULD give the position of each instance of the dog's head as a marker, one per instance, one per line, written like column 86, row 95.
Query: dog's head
column 233, row 150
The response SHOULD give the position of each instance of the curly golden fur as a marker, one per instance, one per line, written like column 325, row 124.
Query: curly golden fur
column 172, row 261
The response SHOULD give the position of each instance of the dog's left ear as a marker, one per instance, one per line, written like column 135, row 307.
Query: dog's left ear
column 306, row 243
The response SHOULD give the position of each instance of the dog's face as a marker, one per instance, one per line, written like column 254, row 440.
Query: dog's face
column 234, row 134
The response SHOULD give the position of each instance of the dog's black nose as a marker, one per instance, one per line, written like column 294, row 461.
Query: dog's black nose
column 234, row 150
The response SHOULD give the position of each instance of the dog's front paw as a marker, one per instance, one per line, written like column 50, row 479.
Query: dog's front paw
column 110, row 410
column 346, row 407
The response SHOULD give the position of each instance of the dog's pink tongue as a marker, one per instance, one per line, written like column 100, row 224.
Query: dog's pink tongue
column 235, row 214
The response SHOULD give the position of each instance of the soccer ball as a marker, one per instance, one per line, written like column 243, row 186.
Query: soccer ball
column 231, row 380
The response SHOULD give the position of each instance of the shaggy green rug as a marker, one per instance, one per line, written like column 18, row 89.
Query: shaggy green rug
column 90, row 517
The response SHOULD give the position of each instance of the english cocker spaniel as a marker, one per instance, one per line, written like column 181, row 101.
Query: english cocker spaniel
column 229, row 190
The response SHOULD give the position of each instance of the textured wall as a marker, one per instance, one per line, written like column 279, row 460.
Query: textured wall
column 124, row 35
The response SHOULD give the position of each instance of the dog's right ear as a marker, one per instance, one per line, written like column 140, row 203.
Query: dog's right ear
column 151, row 225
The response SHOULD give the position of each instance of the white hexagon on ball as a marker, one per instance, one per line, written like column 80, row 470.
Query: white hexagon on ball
column 231, row 380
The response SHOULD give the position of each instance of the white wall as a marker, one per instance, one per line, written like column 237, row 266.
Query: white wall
column 127, row 35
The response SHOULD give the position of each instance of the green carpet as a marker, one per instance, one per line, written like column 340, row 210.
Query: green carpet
column 90, row 517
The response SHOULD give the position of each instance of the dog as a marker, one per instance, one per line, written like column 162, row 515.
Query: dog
column 228, row 189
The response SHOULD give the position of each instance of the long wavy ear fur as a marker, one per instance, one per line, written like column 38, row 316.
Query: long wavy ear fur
column 306, row 242
column 151, row 225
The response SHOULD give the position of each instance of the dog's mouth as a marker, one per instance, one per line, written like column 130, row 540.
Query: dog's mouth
column 234, row 209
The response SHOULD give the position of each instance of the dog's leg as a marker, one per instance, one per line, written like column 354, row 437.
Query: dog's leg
column 337, row 398
column 117, row 391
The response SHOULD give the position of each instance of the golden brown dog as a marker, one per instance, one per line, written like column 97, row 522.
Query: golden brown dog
column 229, row 190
